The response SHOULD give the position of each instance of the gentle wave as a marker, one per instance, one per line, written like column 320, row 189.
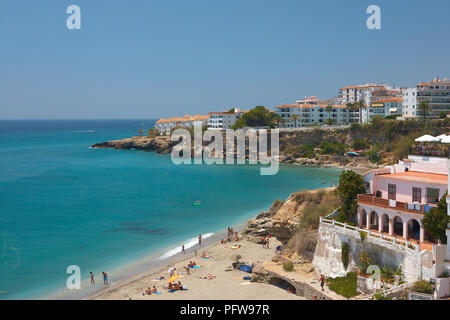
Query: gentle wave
column 191, row 243
column 84, row 131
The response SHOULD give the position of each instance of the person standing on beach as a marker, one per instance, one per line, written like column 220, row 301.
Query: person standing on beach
column 105, row 277
column 182, row 249
column 92, row 278
column 200, row 240
column 322, row 280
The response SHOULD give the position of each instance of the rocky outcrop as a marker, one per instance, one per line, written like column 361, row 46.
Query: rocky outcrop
column 160, row 144
column 280, row 221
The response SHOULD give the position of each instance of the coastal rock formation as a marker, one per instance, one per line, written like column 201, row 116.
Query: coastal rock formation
column 281, row 221
column 160, row 144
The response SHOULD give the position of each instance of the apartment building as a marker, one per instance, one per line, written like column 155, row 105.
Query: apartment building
column 409, row 107
column 303, row 115
column 367, row 94
column 164, row 126
column 386, row 107
column 223, row 120
column 437, row 94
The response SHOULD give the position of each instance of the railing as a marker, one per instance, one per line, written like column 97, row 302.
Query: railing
column 371, row 234
column 384, row 203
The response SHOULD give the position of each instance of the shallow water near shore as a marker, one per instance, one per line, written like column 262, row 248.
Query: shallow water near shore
column 62, row 203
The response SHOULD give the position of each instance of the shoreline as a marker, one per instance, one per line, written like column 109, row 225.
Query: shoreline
column 139, row 269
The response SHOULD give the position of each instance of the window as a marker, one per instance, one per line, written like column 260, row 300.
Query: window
column 378, row 194
column 432, row 195
column 416, row 195
column 392, row 191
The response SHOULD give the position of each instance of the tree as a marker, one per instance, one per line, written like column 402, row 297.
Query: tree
column 443, row 115
column 295, row 118
column 424, row 108
column 436, row 220
column 350, row 185
column 257, row 117
column 329, row 109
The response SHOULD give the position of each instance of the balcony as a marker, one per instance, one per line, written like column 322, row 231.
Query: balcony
column 371, row 200
column 429, row 150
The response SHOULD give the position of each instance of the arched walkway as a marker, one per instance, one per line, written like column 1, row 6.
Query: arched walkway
column 413, row 229
column 385, row 223
column 374, row 221
column 363, row 218
column 398, row 226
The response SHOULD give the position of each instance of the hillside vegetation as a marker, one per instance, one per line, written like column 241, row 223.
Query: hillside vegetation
column 382, row 141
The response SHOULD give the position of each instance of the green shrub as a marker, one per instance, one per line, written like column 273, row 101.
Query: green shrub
column 360, row 144
column 345, row 252
column 344, row 286
column 423, row 286
column 332, row 148
column 288, row 266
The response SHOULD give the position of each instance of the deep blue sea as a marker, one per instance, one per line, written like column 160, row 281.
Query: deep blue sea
column 62, row 203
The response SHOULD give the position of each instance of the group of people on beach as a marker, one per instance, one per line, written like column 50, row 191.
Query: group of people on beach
column 105, row 277
column 176, row 286
column 151, row 291
column 266, row 241
column 231, row 234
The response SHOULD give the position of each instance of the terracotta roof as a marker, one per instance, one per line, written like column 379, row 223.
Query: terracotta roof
column 388, row 100
column 310, row 106
column 186, row 118
column 416, row 176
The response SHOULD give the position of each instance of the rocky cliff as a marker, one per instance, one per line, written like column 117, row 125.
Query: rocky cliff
column 160, row 144
column 282, row 219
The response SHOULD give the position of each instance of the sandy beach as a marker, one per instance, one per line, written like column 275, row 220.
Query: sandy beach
column 226, row 285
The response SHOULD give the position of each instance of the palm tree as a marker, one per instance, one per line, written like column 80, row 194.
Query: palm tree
column 295, row 118
column 329, row 109
column 424, row 108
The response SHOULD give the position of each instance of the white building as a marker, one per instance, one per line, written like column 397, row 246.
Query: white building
column 367, row 93
column 409, row 108
column 303, row 115
column 437, row 94
column 386, row 107
column 223, row 120
column 164, row 126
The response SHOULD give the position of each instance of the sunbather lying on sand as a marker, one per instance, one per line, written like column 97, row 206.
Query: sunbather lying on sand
column 209, row 276
column 204, row 256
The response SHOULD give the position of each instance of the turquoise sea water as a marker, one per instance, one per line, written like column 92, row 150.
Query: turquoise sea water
column 62, row 203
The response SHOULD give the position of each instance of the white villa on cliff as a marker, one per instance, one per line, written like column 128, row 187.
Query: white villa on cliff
column 391, row 214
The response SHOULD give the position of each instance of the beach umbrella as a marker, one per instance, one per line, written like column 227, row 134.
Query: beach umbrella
column 173, row 278
column 446, row 139
column 427, row 138
column 442, row 136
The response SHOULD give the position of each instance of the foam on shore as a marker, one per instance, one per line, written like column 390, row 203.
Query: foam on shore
column 191, row 243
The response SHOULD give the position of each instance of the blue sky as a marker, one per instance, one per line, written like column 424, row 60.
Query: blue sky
column 150, row 59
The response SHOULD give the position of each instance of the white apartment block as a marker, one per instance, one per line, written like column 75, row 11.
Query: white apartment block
column 367, row 93
column 437, row 94
column 409, row 108
column 304, row 115
column 223, row 120
column 164, row 126
column 386, row 107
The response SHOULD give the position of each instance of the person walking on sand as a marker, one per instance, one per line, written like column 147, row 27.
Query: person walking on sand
column 182, row 249
column 322, row 281
column 105, row 277
column 199, row 240
column 92, row 278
